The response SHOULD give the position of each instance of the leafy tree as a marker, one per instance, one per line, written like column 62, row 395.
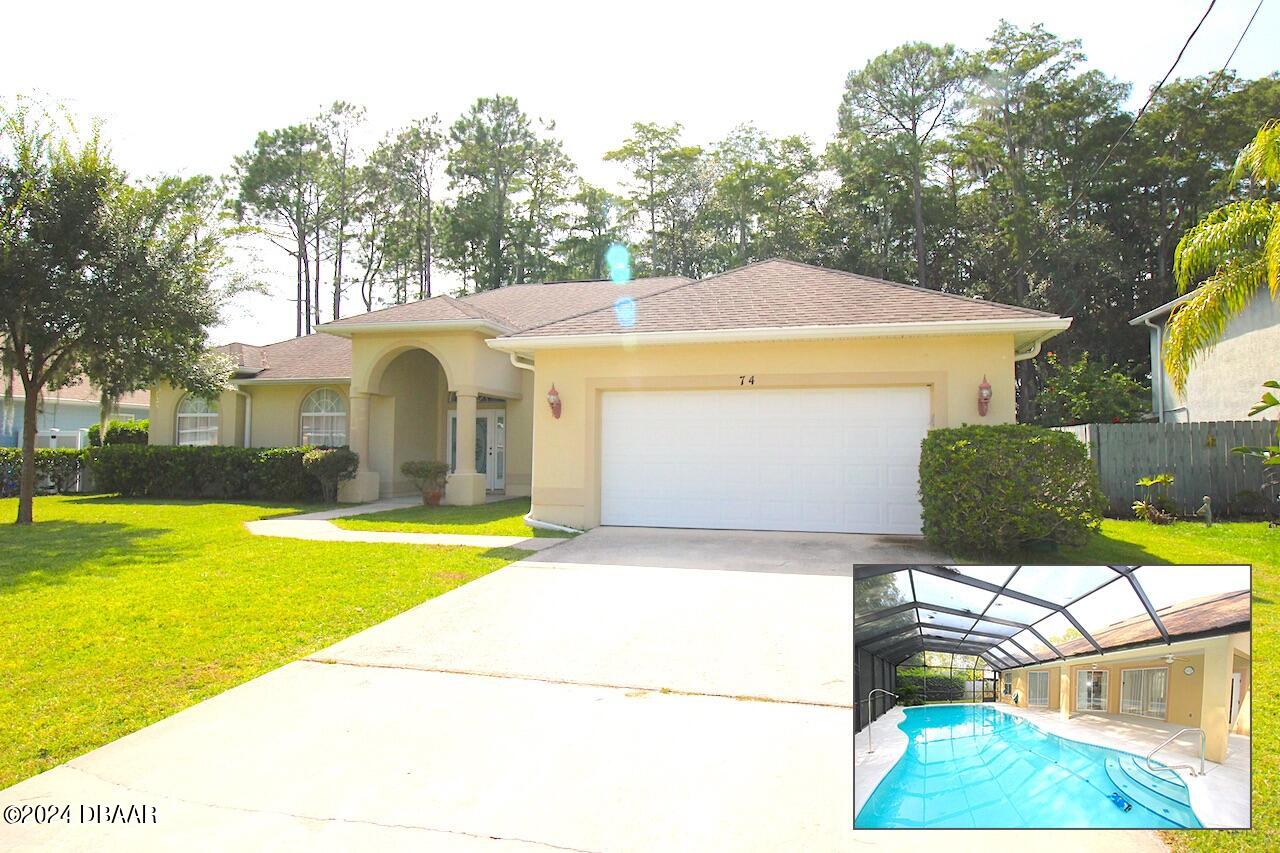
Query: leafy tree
column 591, row 227
column 1087, row 392
column 492, row 142
column 1233, row 253
column 91, row 265
column 415, row 161
column 643, row 154
column 341, row 188
column 547, row 178
column 376, row 216
column 279, row 193
column 906, row 97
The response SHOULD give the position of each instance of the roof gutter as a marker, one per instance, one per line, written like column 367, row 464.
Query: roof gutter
column 346, row 330
column 1044, row 327
column 1033, row 349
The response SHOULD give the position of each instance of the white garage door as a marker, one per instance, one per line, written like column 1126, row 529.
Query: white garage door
column 840, row 459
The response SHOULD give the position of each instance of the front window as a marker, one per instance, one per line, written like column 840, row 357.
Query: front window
column 1038, row 689
column 197, row 421
column 1008, row 683
column 1091, row 690
column 324, row 419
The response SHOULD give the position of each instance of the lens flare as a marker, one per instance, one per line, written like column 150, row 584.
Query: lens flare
column 618, row 259
column 625, row 312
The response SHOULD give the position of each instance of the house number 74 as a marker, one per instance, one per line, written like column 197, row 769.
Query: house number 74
column 747, row 380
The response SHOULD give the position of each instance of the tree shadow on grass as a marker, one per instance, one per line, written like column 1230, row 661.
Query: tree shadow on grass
column 1098, row 551
column 49, row 552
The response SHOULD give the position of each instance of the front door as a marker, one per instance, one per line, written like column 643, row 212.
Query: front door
column 490, row 450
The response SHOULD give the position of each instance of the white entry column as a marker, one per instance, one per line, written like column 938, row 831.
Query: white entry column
column 465, row 487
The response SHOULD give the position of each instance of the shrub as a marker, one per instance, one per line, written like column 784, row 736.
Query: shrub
column 427, row 476
column 122, row 432
column 922, row 687
column 270, row 473
column 992, row 490
column 331, row 466
column 56, row 466
column 1087, row 392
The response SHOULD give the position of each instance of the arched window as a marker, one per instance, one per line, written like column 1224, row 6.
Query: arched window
column 324, row 418
column 197, row 421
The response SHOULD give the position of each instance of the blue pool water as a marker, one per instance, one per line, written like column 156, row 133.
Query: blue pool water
column 977, row 766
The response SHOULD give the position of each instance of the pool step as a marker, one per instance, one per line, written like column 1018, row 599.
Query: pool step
column 1140, row 786
column 1162, row 783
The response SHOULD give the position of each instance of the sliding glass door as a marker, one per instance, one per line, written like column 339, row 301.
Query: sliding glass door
column 1091, row 690
column 1038, row 689
column 1143, row 692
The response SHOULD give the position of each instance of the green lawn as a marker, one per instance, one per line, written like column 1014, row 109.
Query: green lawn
column 115, row 613
column 1137, row 543
column 503, row 518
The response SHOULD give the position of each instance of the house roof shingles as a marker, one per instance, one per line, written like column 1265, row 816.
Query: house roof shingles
column 773, row 293
column 1210, row 613
column 308, row 357
column 80, row 391
column 780, row 294
column 516, row 307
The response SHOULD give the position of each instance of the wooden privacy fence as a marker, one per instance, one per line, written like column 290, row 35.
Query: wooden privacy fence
column 1198, row 455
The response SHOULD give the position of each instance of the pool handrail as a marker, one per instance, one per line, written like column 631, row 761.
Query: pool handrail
column 871, row 748
column 1169, row 740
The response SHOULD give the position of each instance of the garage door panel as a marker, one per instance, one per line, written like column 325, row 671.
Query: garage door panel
column 823, row 459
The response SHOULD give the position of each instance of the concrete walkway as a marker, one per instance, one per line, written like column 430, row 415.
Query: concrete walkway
column 546, row 706
column 318, row 526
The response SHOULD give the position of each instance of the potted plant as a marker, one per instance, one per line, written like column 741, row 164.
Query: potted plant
column 429, row 477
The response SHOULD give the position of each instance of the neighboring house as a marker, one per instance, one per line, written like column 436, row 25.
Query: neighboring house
column 67, row 411
column 776, row 396
column 1199, row 678
column 1225, row 381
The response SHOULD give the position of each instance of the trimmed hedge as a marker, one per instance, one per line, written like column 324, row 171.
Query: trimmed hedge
column 59, row 466
column 994, row 490
column 267, row 473
column 122, row 432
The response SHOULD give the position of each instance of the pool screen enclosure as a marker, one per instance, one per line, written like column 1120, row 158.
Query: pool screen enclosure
column 996, row 618
column 1002, row 614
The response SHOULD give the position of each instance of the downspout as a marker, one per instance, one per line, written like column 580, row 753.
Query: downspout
column 529, row 519
column 1157, row 369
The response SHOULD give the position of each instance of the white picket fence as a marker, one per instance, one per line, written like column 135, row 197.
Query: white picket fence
column 1198, row 455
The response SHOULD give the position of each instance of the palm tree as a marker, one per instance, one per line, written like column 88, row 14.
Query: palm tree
column 1235, row 250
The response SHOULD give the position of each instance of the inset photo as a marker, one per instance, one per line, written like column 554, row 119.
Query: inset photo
column 1104, row 697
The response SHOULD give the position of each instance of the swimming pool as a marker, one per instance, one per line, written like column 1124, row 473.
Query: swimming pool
column 977, row 766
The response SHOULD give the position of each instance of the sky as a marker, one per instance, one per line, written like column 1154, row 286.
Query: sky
column 184, row 87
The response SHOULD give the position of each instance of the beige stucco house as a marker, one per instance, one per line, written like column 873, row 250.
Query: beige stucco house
column 1226, row 381
column 1200, row 678
column 774, row 396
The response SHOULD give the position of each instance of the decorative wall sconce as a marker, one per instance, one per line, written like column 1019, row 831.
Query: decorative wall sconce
column 984, row 397
column 553, row 400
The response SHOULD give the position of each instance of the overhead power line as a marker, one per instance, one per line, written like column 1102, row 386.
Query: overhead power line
column 1107, row 157
column 1232, row 55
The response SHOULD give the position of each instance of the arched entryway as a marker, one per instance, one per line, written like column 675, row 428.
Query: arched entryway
column 408, row 403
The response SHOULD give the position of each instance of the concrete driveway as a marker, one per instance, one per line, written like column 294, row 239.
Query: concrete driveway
column 604, row 694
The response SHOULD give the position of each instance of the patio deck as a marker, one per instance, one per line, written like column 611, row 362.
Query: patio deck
column 1220, row 798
